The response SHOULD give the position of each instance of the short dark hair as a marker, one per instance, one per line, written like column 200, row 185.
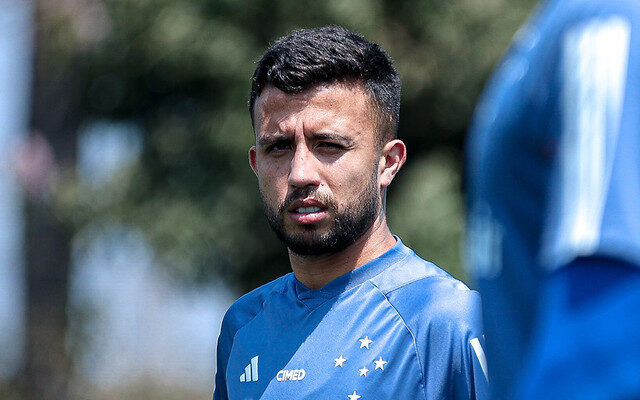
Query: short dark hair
column 331, row 54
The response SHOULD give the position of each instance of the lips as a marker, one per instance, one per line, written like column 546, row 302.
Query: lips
column 307, row 211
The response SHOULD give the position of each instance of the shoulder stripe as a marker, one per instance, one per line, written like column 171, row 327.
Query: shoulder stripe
column 594, row 69
column 482, row 359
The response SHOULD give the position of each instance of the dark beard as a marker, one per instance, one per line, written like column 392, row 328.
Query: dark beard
column 348, row 226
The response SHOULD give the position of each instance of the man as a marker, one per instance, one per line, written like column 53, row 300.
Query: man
column 361, row 316
column 554, row 165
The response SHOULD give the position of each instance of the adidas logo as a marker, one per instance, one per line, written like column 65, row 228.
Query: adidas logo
column 250, row 371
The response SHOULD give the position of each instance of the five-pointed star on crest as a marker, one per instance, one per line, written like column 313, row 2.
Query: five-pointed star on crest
column 363, row 371
column 339, row 361
column 380, row 363
column 365, row 342
column 353, row 396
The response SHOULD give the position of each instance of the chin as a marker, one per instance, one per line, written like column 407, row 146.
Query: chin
column 316, row 243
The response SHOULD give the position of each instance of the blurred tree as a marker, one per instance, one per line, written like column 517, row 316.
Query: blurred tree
column 181, row 70
column 428, row 211
column 56, row 115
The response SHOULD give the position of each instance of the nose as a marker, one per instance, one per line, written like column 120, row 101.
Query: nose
column 304, row 168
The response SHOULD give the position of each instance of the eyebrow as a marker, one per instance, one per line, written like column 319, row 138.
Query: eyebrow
column 277, row 137
column 333, row 136
column 280, row 137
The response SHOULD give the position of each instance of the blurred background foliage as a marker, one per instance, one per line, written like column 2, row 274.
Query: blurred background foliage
column 137, row 159
column 179, row 70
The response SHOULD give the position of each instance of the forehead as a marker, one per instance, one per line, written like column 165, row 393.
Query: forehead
column 345, row 105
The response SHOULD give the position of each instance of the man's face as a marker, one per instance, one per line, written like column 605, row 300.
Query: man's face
column 316, row 159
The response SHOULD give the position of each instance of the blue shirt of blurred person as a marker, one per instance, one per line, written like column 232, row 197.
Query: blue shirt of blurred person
column 554, row 205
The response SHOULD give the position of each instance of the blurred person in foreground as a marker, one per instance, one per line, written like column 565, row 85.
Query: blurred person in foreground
column 361, row 316
column 554, row 205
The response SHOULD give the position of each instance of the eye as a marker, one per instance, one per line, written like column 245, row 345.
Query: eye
column 330, row 146
column 278, row 146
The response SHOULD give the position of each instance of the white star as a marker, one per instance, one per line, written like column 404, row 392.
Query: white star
column 363, row 371
column 380, row 363
column 353, row 396
column 365, row 342
column 339, row 361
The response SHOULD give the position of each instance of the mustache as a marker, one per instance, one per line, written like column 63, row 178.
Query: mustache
column 307, row 192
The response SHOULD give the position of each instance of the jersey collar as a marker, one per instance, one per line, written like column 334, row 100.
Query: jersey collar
column 313, row 298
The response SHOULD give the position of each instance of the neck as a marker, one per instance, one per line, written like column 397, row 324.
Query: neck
column 316, row 271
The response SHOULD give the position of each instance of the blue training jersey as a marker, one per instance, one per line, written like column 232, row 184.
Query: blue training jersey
column 397, row 327
column 553, row 163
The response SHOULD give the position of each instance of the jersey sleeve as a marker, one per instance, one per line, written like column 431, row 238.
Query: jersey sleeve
column 471, row 376
column 593, row 207
column 241, row 312
column 475, row 377
column 445, row 319
column 225, row 341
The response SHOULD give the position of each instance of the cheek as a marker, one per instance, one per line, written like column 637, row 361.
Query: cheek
column 351, row 184
column 272, row 179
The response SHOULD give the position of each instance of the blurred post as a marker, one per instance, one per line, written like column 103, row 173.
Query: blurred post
column 55, row 117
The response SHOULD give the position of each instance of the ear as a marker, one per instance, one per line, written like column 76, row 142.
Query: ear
column 252, row 160
column 393, row 156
